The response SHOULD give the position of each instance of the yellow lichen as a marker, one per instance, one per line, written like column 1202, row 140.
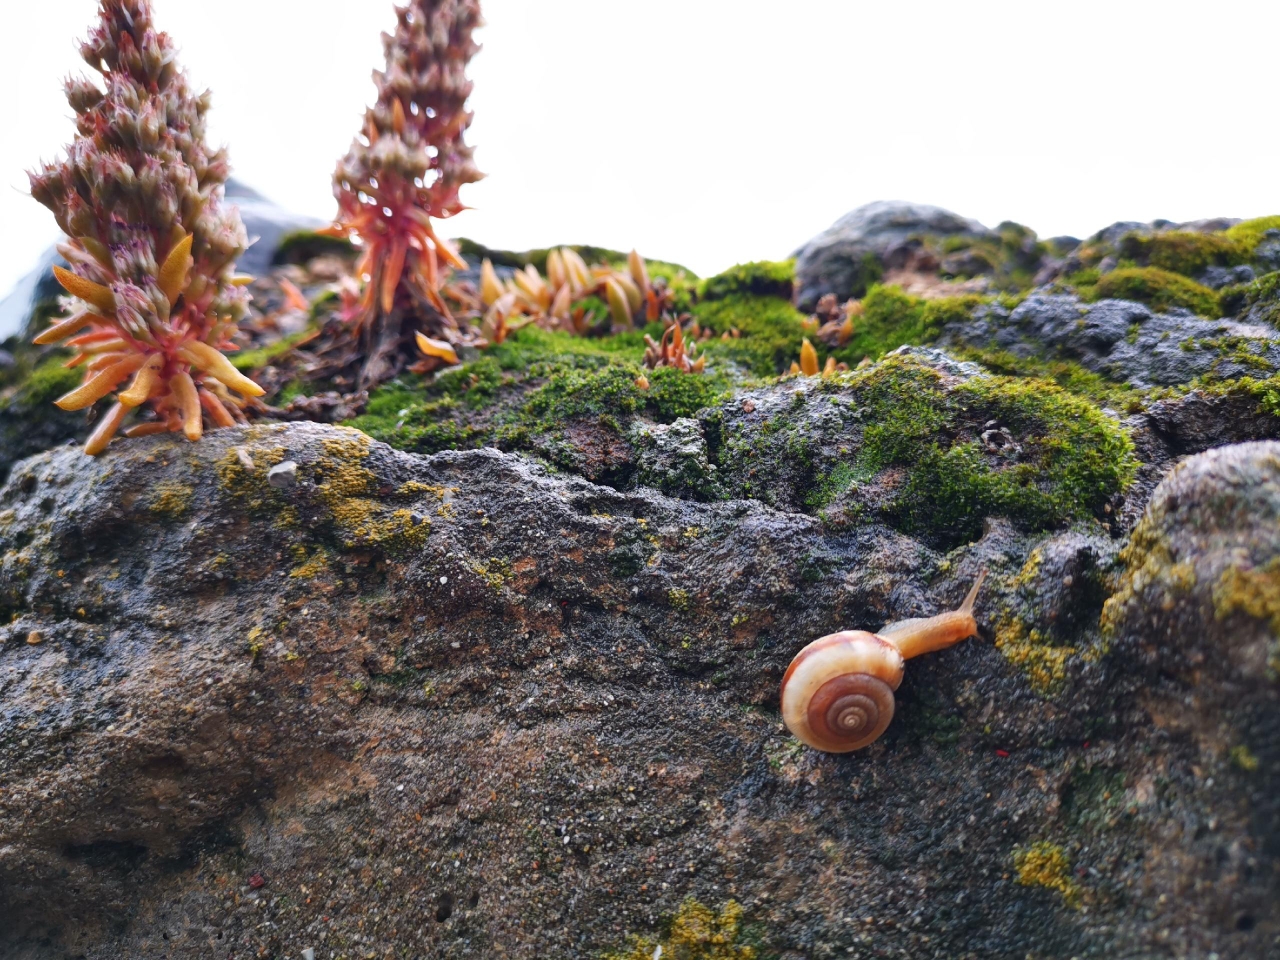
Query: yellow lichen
column 170, row 499
column 1027, row 648
column 1045, row 864
column 346, row 488
column 1252, row 591
column 1243, row 758
column 495, row 573
column 248, row 486
column 697, row 933
column 311, row 567
column 679, row 599
column 1152, row 577
column 416, row 488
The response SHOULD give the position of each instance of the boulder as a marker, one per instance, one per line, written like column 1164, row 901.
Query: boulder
column 1125, row 341
column 459, row 705
column 850, row 254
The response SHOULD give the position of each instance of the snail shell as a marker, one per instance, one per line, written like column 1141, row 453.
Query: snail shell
column 837, row 695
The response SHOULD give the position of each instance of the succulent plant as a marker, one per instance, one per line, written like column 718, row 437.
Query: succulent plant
column 406, row 168
column 150, row 244
column 560, row 301
column 675, row 349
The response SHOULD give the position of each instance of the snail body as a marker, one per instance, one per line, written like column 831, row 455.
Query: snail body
column 837, row 694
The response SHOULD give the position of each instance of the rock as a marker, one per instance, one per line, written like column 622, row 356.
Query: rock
column 1123, row 340
column 846, row 257
column 1267, row 252
column 263, row 220
column 459, row 703
column 1215, row 278
column 1196, row 620
column 673, row 459
column 283, row 475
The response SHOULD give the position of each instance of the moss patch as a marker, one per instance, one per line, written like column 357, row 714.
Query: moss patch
column 696, row 933
column 1072, row 458
column 1258, row 302
column 1184, row 251
column 762, row 278
column 1070, row 376
column 771, row 331
column 1250, row 233
column 1159, row 289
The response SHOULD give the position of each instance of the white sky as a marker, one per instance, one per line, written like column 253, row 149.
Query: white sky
column 716, row 131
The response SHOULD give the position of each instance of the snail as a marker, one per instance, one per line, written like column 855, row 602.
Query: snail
column 837, row 695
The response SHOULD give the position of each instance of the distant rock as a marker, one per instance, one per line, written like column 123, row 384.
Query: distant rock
column 1123, row 340
column 263, row 219
column 846, row 257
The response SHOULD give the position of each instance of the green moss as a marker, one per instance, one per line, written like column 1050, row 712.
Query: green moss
column 249, row 360
column 574, row 392
column 302, row 246
column 696, row 932
column 47, row 382
column 1259, row 299
column 1183, row 251
column 891, row 319
column 1159, row 289
column 1068, row 375
column 1073, row 458
column 762, row 278
column 1250, row 233
column 673, row 394
column 771, row 331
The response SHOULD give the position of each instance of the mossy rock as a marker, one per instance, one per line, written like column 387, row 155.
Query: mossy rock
column 762, row 278
column 29, row 421
column 570, row 400
column 1183, row 251
column 303, row 246
column 926, row 445
column 1250, row 233
column 891, row 318
column 1159, row 289
column 1256, row 302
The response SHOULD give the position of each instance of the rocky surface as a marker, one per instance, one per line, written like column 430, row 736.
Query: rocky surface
column 1126, row 341
column 510, row 689
column 460, row 706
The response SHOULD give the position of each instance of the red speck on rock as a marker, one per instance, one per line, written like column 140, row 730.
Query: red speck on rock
column 1002, row 753
column 257, row 881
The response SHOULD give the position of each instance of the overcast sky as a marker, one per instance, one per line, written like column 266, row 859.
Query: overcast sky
column 716, row 131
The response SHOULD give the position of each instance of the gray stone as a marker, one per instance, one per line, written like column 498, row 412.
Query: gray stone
column 283, row 475
column 673, row 459
column 1215, row 278
column 846, row 257
column 1122, row 340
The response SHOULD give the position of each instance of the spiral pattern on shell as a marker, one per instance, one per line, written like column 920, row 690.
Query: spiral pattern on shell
column 837, row 694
